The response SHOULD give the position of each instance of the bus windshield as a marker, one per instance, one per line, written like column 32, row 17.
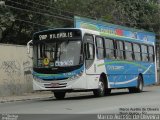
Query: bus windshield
column 64, row 53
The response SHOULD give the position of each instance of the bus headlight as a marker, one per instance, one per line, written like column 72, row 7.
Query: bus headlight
column 37, row 79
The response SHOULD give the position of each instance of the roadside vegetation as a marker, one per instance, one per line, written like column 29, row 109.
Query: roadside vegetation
column 19, row 19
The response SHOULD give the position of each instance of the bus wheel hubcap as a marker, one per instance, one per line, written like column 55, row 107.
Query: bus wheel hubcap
column 140, row 85
column 101, row 86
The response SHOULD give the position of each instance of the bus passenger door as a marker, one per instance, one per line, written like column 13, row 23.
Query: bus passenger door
column 89, row 50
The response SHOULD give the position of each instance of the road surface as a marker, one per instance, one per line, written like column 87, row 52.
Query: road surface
column 120, row 101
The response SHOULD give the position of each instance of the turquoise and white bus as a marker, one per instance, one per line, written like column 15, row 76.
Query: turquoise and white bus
column 93, row 56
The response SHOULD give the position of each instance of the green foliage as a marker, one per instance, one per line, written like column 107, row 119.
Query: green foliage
column 19, row 19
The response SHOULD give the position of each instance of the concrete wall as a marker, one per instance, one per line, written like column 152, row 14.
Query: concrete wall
column 15, row 70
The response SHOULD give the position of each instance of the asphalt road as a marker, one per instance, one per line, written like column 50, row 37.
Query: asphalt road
column 120, row 101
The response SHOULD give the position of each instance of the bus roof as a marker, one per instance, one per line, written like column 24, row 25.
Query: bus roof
column 114, row 31
column 87, row 20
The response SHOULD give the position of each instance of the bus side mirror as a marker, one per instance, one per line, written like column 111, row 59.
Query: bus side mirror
column 28, row 46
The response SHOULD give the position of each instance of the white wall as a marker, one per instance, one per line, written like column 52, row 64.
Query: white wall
column 15, row 70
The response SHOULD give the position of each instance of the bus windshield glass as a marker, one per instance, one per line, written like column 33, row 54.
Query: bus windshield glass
column 58, row 54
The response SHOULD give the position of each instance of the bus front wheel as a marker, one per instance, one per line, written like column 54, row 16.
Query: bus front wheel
column 59, row 95
column 100, row 92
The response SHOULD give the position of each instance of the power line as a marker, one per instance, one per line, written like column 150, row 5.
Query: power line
column 29, row 22
column 33, row 23
column 40, row 2
column 72, row 18
column 43, row 5
column 59, row 16
column 62, row 17
column 40, row 9
column 46, row 14
column 69, row 12
column 65, row 17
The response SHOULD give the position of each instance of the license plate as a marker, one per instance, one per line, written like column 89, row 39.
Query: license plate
column 54, row 84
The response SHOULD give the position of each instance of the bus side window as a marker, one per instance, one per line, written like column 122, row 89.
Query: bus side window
column 121, row 53
column 144, row 52
column 100, row 47
column 128, row 51
column 137, row 50
column 109, row 49
column 151, row 53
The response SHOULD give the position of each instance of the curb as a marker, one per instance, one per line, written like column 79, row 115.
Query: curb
column 25, row 98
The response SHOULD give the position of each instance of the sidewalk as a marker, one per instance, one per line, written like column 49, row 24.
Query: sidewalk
column 38, row 96
column 27, row 96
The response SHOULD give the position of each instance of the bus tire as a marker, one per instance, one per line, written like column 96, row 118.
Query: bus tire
column 59, row 95
column 107, row 91
column 140, row 84
column 139, row 87
column 100, row 92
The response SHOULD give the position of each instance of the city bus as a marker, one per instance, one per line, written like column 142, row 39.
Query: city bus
column 93, row 56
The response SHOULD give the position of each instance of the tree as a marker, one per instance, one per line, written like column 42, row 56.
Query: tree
column 21, row 18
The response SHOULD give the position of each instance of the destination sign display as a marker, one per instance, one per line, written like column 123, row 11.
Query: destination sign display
column 57, row 34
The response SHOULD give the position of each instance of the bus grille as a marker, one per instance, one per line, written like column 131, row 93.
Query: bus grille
column 55, row 85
